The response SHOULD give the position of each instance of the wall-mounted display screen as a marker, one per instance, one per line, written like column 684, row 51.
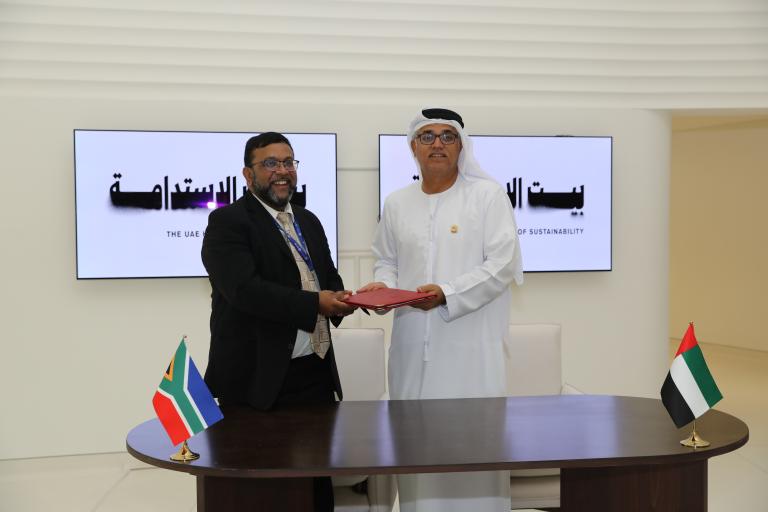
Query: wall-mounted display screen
column 559, row 187
column 143, row 197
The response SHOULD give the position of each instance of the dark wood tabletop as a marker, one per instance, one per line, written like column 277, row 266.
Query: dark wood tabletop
column 420, row 436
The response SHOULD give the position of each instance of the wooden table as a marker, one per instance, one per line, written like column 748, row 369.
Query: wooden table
column 615, row 453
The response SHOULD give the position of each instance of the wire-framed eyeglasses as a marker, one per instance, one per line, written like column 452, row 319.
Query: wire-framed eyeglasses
column 271, row 164
column 428, row 138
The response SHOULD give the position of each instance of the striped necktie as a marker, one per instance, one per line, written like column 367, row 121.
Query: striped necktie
column 320, row 338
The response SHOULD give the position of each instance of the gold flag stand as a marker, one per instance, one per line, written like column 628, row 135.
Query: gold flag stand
column 185, row 454
column 694, row 440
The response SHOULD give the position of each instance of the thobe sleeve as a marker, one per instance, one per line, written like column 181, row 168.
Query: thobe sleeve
column 502, row 264
column 385, row 250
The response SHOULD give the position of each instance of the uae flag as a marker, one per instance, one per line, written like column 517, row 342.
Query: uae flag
column 183, row 403
column 689, row 389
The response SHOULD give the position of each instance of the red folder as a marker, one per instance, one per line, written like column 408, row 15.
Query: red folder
column 387, row 298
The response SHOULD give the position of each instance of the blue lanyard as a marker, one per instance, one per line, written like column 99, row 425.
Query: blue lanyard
column 300, row 245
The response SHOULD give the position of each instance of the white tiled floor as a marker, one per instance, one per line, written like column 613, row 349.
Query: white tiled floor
column 118, row 483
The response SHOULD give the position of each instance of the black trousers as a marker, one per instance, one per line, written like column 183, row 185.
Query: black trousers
column 308, row 381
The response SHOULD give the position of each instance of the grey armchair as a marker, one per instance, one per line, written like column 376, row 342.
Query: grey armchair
column 534, row 367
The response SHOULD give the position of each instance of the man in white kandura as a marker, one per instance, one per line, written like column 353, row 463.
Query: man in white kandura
column 452, row 233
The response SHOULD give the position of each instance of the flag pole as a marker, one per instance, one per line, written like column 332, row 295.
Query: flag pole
column 184, row 454
column 695, row 440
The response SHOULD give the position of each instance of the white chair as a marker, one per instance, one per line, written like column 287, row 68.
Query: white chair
column 534, row 367
column 360, row 360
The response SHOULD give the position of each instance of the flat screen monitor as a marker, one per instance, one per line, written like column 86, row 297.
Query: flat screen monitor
column 558, row 186
column 143, row 197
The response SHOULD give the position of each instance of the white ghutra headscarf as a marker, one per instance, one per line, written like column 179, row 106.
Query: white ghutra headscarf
column 468, row 166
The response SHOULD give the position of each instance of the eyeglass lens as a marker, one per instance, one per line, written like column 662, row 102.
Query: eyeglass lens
column 428, row 138
column 272, row 164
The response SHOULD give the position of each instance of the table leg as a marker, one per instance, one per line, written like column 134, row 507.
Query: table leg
column 217, row 494
column 653, row 488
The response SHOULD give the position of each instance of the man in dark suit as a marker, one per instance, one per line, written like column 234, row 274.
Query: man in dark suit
column 274, row 287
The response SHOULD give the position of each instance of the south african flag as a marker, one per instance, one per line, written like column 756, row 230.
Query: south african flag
column 183, row 403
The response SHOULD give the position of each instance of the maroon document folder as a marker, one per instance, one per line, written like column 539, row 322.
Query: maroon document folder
column 387, row 298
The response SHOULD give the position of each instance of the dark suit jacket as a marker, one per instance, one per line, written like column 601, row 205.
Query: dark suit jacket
column 257, row 303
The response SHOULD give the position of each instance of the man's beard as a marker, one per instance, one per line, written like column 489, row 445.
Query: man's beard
column 268, row 195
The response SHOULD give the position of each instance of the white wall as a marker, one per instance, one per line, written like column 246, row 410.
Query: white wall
column 81, row 359
column 718, row 238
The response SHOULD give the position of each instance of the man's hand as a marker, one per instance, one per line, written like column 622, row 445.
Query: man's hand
column 331, row 303
column 438, row 300
column 377, row 285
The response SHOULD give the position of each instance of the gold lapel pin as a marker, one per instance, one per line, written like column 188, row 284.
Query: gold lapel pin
column 454, row 229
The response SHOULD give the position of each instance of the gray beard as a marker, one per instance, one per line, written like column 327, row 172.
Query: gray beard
column 267, row 195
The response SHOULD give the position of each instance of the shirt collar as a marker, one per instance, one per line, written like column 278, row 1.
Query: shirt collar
column 271, row 210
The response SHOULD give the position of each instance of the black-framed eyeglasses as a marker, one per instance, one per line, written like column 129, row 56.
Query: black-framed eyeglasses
column 428, row 138
column 271, row 164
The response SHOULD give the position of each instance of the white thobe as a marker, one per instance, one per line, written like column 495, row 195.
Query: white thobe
column 465, row 241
